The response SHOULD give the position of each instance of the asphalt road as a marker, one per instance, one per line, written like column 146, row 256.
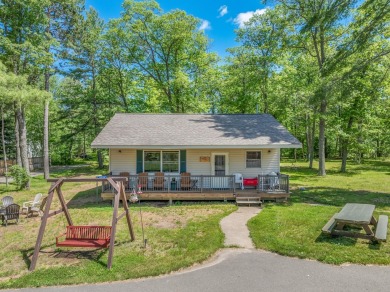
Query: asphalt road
column 252, row 270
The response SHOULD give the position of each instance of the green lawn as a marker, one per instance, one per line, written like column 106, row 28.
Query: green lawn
column 183, row 234
column 177, row 236
column 294, row 228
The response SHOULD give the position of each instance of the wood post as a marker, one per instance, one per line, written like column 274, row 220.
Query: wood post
column 42, row 227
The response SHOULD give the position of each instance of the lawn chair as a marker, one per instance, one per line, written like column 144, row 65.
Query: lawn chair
column 158, row 182
column 37, row 208
column 7, row 200
column 143, row 178
column 238, row 179
column 35, row 203
column 11, row 213
column 185, row 181
column 125, row 183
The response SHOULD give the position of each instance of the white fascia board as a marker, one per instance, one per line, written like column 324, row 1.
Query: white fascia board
column 273, row 146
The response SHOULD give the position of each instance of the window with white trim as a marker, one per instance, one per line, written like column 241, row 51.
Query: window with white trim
column 253, row 159
column 161, row 161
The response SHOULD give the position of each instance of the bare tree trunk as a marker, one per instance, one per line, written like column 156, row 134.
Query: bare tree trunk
column 17, row 140
column 321, row 139
column 4, row 150
column 311, row 149
column 46, row 165
column 23, row 141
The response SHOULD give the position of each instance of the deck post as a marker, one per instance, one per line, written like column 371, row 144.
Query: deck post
column 201, row 183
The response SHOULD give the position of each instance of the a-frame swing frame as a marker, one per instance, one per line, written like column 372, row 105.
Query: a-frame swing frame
column 119, row 194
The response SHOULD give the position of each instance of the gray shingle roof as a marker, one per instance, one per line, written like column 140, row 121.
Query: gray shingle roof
column 194, row 131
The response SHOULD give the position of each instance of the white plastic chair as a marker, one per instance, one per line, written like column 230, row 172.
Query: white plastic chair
column 274, row 180
column 32, row 204
column 7, row 200
column 238, row 179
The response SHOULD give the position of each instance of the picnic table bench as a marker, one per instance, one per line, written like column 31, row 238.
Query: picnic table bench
column 358, row 215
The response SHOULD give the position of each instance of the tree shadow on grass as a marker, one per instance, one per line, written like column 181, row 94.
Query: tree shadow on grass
column 89, row 254
column 338, row 240
column 338, row 197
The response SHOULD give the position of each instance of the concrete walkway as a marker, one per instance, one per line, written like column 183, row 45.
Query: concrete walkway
column 235, row 229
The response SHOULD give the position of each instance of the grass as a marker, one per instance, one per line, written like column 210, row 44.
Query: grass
column 183, row 234
column 177, row 236
column 294, row 229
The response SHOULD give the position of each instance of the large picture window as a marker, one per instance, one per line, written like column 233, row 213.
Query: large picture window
column 253, row 159
column 161, row 161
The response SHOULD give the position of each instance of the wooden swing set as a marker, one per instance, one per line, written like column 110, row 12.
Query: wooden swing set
column 85, row 236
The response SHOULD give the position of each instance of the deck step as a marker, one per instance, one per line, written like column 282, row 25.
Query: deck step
column 248, row 201
column 381, row 228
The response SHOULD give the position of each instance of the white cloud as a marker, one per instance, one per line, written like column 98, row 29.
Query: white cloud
column 205, row 25
column 244, row 17
column 222, row 10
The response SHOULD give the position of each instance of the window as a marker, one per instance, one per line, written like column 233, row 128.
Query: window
column 253, row 159
column 170, row 162
column 164, row 161
column 152, row 161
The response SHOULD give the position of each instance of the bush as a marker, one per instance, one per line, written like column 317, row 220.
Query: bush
column 20, row 176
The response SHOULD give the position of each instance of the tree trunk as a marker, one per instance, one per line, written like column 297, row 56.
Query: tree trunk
column 321, row 139
column 46, row 163
column 311, row 149
column 344, row 154
column 17, row 139
column 23, row 141
column 4, row 150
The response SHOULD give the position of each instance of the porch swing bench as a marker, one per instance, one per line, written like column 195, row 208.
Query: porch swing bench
column 85, row 236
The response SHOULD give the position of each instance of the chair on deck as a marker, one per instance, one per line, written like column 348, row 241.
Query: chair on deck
column 126, row 174
column 35, row 203
column 238, row 179
column 185, row 181
column 158, row 182
column 11, row 213
column 7, row 200
column 143, row 180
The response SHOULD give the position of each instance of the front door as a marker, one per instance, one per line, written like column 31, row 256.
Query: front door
column 220, row 168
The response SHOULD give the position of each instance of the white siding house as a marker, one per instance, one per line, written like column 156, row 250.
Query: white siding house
column 211, row 149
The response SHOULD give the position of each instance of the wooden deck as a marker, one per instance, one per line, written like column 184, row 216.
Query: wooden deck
column 205, row 196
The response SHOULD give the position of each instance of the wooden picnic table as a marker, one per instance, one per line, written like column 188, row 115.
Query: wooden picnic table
column 358, row 215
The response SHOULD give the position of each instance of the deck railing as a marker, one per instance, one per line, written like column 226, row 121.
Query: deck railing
column 200, row 183
column 273, row 183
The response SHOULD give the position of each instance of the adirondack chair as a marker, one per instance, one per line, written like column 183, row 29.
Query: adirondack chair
column 32, row 204
column 125, row 174
column 185, row 180
column 143, row 180
column 38, row 208
column 7, row 200
column 11, row 213
column 158, row 182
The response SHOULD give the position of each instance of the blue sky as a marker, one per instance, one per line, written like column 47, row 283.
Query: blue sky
column 219, row 18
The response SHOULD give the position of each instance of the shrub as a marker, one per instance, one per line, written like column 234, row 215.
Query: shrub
column 20, row 176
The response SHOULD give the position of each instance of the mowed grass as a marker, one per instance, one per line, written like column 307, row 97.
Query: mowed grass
column 177, row 236
column 294, row 228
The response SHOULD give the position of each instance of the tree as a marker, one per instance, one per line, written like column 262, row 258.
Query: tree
column 169, row 50
column 321, row 34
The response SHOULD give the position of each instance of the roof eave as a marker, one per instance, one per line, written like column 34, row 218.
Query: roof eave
column 267, row 146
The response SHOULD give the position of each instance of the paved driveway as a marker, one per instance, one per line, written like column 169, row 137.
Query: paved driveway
column 251, row 270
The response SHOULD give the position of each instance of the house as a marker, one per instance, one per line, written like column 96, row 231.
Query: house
column 197, row 156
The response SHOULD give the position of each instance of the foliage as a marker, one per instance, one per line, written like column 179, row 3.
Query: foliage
column 20, row 176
